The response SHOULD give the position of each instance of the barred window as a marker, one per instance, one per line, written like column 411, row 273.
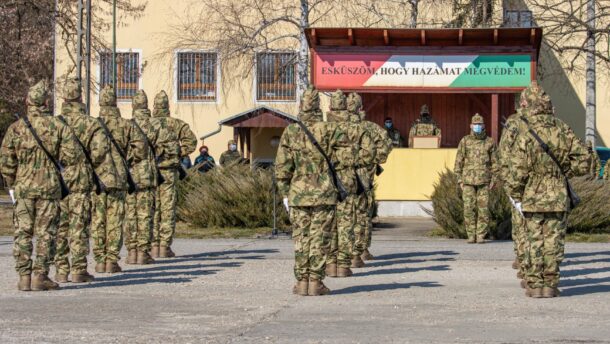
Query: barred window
column 276, row 76
column 197, row 76
column 127, row 73
column 515, row 18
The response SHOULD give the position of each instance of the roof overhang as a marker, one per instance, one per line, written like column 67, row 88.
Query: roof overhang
column 260, row 117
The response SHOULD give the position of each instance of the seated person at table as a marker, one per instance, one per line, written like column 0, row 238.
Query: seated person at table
column 423, row 126
column 393, row 133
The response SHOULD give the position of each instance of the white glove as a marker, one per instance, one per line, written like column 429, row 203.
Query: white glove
column 517, row 206
column 285, row 201
column 12, row 194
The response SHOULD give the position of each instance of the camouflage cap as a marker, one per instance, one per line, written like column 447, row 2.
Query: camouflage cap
column 231, row 142
column 477, row 119
column 424, row 110
column 310, row 100
column 72, row 89
column 338, row 101
column 139, row 100
column 38, row 94
column 108, row 96
column 354, row 102
column 161, row 101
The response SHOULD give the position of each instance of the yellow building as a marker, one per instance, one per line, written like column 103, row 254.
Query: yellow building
column 254, row 99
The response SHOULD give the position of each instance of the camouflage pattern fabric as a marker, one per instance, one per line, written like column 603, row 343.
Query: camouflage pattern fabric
column 546, row 236
column 476, row 160
column 144, row 171
column 595, row 162
column 520, row 239
column 34, row 217
column 164, row 225
column 395, row 137
column 362, row 223
column 423, row 126
column 607, row 170
column 73, row 234
column 311, row 235
column 108, row 210
column 230, row 157
column 476, row 210
column 140, row 207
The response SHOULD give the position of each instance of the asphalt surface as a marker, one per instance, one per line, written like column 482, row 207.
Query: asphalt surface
column 419, row 290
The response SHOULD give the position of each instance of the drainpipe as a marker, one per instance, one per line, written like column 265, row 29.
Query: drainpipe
column 211, row 133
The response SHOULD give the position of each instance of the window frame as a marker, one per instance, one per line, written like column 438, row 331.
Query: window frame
column 519, row 15
column 140, row 64
column 255, row 79
column 217, row 98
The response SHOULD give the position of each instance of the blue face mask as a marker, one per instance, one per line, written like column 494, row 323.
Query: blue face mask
column 388, row 125
column 477, row 128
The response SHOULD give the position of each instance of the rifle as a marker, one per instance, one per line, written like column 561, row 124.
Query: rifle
column 181, row 172
column 359, row 184
column 131, row 185
column 331, row 167
column 160, row 179
column 58, row 167
column 99, row 185
column 378, row 170
column 574, row 198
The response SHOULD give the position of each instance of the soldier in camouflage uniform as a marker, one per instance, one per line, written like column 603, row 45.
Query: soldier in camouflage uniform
column 607, row 170
column 75, row 219
column 109, row 207
column 393, row 133
column 423, row 126
column 374, row 148
column 175, row 140
column 34, row 182
column 340, row 257
column 596, row 164
column 303, row 178
column 140, row 205
column 231, row 156
column 538, row 188
column 476, row 168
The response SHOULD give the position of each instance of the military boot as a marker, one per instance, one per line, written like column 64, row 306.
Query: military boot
column 82, row 277
column 344, row 272
column 100, row 268
column 317, row 288
column 535, row 293
column 549, row 292
column 42, row 282
column 61, row 277
column 366, row 255
column 481, row 240
column 25, row 283
column 520, row 275
column 516, row 264
column 302, row 287
column 154, row 251
column 132, row 256
column 357, row 262
column 144, row 258
column 523, row 284
column 166, row 252
column 331, row 270
column 112, row 267
column 471, row 240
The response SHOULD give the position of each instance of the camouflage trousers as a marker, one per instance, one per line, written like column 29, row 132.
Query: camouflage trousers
column 165, row 209
column 476, row 210
column 73, row 233
column 38, row 217
column 140, row 207
column 361, row 224
column 519, row 238
column 108, row 215
column 342, row 235
column 545, row 236
column 311, row 232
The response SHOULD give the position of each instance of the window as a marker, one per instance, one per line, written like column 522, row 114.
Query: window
column 127, row 72
column 513, row 18
column 197, row 76
column 275, row 77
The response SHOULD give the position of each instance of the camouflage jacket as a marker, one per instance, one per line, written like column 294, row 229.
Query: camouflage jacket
column 348, row 159
column 367, row 154
column 476, row 162
column 174, row 139
column 595, row 165
column 395, row 137
column 301, row 171
column 534, row 179
column 97, row 146
column 25, row 167
column 144, row 172
column 423, row 129
column 129, row 140
column 607, row 170
column 229, row 157
column 513, row 127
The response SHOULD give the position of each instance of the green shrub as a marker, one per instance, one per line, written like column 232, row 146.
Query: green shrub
column 237, row 196
column 591, row 216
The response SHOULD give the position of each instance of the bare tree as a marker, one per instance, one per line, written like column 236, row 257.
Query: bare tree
column 472, row 13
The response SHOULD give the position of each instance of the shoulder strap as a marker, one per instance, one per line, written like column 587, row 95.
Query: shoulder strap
column 111, row 138
column 131, row 185
column 542, row 144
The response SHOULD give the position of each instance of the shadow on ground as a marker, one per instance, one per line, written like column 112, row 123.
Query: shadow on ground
column 384, row 287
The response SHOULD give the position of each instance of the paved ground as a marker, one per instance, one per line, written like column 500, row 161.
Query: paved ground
column 420, row 290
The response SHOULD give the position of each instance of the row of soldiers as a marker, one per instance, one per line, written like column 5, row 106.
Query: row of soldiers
column 537, row 155
column 71, row 176
column 325, row 172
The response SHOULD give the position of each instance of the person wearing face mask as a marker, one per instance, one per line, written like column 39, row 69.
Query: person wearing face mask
column 231, row 156
column 393, row 133
column 476, row 168
column 424, row 126
column 204, row 162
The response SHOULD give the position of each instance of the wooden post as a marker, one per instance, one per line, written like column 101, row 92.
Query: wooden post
column 495, row 117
